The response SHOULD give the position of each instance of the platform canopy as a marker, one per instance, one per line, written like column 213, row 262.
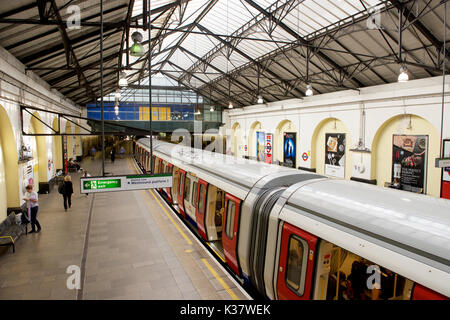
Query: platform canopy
column 229, row 50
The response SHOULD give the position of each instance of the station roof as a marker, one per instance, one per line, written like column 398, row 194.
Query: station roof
column 231, row 50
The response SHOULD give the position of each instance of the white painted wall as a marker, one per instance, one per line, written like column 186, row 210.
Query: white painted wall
column 421, row 97
column 21, row 87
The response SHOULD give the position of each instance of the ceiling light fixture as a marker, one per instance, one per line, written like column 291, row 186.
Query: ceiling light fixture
column 137, row 49
column 403, row 76
column 260, row 99
column 118, row 94
column 230, row 106
column 211, row 109
column 309, row 92
column 123, row 82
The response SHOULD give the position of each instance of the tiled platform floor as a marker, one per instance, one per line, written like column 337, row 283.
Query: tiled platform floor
column 135, row 251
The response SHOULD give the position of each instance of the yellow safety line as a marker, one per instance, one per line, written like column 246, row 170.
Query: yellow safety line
column 224, row 285
column 215, row 251
column 170, row 218
column 167, row 213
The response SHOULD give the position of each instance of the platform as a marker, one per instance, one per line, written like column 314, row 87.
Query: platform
column 129, row 245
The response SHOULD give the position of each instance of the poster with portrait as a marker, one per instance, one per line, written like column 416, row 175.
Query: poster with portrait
column 409, row 162
column 335, row 155
column 289, row 147
column 260, row 145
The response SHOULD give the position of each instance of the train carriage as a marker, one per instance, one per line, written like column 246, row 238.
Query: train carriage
column 292, row 234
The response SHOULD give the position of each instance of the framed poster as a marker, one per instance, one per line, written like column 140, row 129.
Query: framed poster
column 409, row 162
column 260, row 145
column 445, row 187
column 335, row 154
column 64, row 142
column 290, row 139
column 269, row 147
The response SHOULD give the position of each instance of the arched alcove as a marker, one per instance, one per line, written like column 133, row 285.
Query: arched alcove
column 9, row 168
column 318, row 145
column 69, row 140
column 41, row 146
column 252, row 140
column 382, row 149
column 285, row 126
column 57, row 147
column 236, row 140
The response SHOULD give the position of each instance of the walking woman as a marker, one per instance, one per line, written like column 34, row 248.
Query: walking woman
column 67, row 192
column 31, row 198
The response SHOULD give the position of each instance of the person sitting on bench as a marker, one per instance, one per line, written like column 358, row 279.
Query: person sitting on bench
column 72, row 164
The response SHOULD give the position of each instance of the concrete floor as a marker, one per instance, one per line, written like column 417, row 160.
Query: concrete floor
column 135, row 250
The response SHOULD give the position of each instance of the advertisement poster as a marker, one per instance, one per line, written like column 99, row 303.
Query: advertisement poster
column 64, row 142
column 269, row 147
column 446, row 172
column 409, row 162
column 260, row 145
column 335, row 155
column 290, row 149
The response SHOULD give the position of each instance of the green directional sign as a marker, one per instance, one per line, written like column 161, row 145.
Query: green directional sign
column 125, row 183
column 102, row 184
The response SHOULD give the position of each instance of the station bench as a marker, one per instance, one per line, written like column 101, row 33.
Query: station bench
column 10, row 231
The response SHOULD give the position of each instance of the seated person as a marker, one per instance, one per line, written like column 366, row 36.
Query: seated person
column 72, row 164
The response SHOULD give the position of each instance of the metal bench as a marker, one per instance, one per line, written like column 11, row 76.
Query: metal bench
column 10, row 231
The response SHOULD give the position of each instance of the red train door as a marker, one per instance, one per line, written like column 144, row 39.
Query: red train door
column 295, row 271
column 423, row 293
column 229, row 231
column 201, row 207
column 181, row 191
column 160, row 170
column 169, row 190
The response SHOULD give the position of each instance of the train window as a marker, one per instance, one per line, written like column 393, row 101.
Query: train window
column 349, row 279
column 296, row 264
column 194, row 194
column 201, row 204
column 187, row 188
column 231, row 213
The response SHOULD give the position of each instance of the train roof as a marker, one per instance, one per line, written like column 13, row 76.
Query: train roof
column 404, row 221
column 241, row 172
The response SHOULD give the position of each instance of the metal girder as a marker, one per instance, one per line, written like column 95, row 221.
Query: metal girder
column 44, row 34
column 74, row 41
column 84, row 68
column 200, row 79
column 18, row 10
column 70, row 53
column 188, row 86
column 197, row 20
column 419, row 25
column 286, row 28
column 44, row 11
column 228, row 76
column 246, row 56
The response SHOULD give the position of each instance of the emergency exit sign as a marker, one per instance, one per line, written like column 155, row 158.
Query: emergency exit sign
column 125, row 183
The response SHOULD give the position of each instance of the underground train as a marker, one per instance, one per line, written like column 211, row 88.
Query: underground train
column 292, row 234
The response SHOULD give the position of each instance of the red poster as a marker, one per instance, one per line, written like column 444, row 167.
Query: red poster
column 269, row 148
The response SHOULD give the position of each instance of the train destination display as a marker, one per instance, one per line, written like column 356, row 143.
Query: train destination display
column 125, row 183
